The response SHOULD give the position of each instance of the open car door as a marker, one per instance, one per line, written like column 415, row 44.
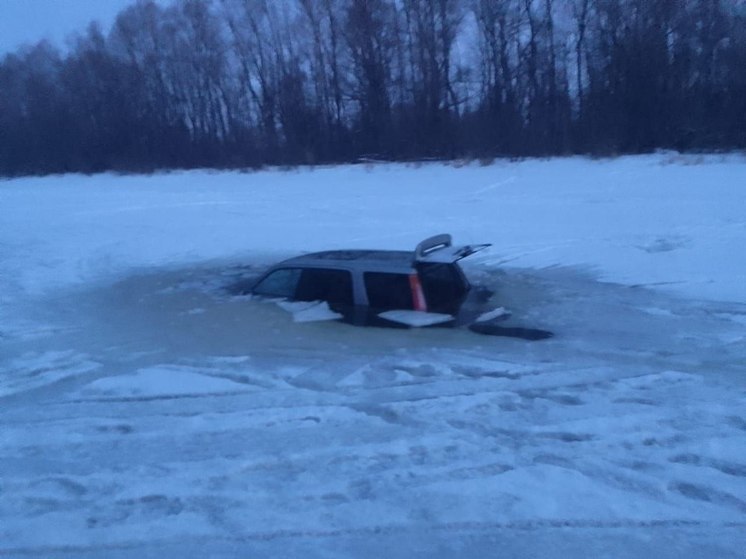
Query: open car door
column 440, row 249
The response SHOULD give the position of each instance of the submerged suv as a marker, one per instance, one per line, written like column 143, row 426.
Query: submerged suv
column 378, row 287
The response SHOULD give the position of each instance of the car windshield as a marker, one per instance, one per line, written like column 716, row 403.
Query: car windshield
column 280, row 283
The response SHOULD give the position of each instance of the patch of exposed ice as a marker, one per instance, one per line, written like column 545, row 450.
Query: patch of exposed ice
column 166, row 380
column 37, row 369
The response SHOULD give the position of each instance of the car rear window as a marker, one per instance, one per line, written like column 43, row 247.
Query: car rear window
column 325, row 284
column 388, row 291
column 444, row 286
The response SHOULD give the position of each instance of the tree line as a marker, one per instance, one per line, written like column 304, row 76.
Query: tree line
column 245, row 83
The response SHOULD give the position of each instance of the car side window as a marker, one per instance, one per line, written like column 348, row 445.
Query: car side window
column 388, row 291
column 324, row 284
column 280, row 283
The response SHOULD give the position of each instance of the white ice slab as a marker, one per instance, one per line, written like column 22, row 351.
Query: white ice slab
column 495, row 313
column 305, row 311
column 416, row 318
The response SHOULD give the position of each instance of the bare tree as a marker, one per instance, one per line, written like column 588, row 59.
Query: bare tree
column 498, row 24
column 432, row 27
column 368, row 35
column 248, row 82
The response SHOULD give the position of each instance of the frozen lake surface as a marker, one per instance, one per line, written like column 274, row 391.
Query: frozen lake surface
column 147, row 410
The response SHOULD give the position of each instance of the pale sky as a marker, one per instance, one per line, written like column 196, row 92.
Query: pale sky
column 29, row 21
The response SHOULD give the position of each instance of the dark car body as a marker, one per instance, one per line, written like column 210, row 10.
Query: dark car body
column 377, row 287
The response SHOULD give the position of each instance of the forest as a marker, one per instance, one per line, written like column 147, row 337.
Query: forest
column 248, row 83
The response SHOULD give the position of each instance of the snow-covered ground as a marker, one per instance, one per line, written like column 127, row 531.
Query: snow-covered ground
column 147, row 411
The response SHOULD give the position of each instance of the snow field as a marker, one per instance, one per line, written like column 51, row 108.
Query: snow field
column 147, row 411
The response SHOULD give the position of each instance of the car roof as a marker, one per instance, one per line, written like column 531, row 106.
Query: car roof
column 394, row 261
